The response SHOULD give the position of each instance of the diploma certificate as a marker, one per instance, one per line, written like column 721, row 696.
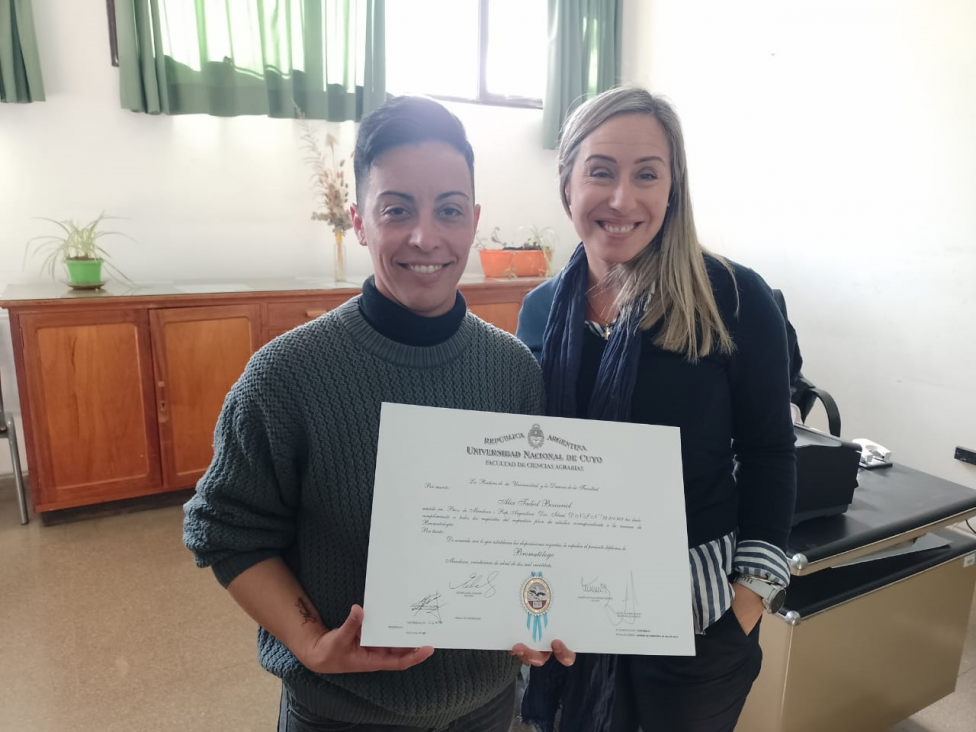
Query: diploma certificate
column 495, row 529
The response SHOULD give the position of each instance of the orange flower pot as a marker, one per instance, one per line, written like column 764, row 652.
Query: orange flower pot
column 513, row 262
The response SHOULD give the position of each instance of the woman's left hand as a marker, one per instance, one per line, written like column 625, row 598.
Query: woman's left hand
column 748, row 608
column 538, row 658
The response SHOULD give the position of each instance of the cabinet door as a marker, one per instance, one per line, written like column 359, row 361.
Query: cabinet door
column 498, row 302
column 502, row 315
column 199, row 353
column 89, row 380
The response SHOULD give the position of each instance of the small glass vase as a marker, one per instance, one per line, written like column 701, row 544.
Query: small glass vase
column 340, row 258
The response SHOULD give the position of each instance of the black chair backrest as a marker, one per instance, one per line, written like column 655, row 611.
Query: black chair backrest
column 803, row 393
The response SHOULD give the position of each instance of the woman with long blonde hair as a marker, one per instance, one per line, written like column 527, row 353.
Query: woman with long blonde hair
column 645, row 325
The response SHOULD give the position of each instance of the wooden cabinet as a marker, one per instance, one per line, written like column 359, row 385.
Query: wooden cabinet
column 504, row 315
column 199, row 353
column 120, row 392
column 284, row 316
column 500, row 305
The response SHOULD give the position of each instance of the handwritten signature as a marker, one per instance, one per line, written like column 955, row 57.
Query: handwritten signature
column 478, row 582
column 630, row 612
column 595, row 588
column 431, row 605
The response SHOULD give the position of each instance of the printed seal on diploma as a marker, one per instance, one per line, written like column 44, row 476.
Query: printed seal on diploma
column 536, row 599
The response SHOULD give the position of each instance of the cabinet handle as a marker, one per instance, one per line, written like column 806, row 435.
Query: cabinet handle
column 161, row 412
column 315, row 313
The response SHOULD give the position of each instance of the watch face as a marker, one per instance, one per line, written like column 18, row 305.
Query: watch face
column 777, row 601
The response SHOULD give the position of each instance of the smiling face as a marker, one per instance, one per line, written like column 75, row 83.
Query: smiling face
column 418, row 218
column 618, row 189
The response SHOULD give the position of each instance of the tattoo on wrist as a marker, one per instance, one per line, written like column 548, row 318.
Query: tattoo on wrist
column 307, row 614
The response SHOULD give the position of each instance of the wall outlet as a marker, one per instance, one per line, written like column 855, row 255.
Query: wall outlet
column 966, row 455
column 969, row 561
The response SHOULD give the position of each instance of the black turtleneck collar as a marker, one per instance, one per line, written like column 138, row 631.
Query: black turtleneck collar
column 399, row 324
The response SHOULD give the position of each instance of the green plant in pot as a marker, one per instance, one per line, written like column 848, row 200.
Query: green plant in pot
column 76, row 246
column 544, row 240
column 532, row 258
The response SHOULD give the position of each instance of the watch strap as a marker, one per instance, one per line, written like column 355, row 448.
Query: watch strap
column 766, row 590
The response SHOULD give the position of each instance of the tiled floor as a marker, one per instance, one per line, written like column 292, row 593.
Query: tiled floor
column 106, row 625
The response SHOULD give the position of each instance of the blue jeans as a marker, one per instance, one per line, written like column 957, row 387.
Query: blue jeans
column 495, row 716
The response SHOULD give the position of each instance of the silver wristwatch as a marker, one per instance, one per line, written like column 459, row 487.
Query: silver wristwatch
column 773, row 596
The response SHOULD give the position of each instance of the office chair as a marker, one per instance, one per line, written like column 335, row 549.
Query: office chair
column 8, row 429
column 802, row 391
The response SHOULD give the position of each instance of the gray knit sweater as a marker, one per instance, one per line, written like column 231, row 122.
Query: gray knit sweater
column 292, row 476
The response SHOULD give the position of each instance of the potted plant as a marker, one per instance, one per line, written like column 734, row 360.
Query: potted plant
column 531, row 258
column 76, row 247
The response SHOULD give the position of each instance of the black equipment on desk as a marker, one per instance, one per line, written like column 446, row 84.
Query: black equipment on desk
column 826, row 474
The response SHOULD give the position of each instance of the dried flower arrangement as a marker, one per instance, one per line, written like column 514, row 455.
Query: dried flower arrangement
column 330, row 185
column 328, row 178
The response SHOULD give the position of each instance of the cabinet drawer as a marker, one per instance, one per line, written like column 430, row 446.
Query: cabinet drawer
column 284, row 316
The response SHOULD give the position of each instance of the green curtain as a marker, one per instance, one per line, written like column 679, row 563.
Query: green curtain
column 235, row 57
column 20, row 64
column 584, row 58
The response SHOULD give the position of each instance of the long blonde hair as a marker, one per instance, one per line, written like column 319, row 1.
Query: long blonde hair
column 672, row 266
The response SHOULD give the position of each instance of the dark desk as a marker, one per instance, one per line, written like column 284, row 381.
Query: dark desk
column 861, row 647
column 891, row 506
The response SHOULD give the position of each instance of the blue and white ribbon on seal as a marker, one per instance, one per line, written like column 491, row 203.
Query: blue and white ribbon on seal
column 536, row 597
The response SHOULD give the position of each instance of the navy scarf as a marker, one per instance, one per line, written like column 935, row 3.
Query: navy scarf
column 562, row 349
column 585, row 689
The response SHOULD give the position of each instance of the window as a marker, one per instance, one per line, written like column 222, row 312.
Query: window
column 204, row 31
column 488, row 51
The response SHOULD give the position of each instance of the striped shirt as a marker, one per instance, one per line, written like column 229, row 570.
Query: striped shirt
column 714, row 561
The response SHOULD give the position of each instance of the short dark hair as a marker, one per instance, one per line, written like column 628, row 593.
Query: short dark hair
column 407, row 121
